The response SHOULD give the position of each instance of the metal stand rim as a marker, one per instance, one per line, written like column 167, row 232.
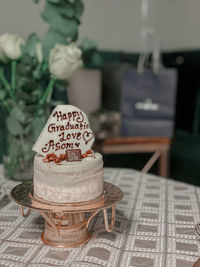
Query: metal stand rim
column 21, row 194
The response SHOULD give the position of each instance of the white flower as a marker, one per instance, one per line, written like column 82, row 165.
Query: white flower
column 2, row 56
column 39, row 53
column 11, row 46
column 64, row 60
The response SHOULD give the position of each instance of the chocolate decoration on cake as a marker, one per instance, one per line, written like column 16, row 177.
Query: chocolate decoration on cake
column 87, row 136
column 73, row 155
column 66, row 130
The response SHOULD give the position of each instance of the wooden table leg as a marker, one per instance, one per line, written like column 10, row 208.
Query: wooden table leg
column 151, row 162
column 163, row 164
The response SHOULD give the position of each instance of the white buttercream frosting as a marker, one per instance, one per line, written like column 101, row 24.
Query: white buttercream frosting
column 69, row 181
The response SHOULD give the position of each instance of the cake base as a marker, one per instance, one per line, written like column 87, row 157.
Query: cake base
column 67, row 225
column 68, row 181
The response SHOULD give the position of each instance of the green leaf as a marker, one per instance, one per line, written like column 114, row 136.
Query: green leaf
column 79, row 7
column 33, row 37
column 30, row 109
column 27, row 151
column 11, row 102
column 96, row 60
column 38, row 124
column 3, row 94
column 13, row 126
column 65, row 26
column 18, row 114
column 14, row 145
column 38, row 72
column 31, row 44
column 88, row 44
column 21, row 104
column 66, row 10
column 27, row 61
column 61, row 86
column 22, row 81
column 37, row 92
column 36, row 1
column 71, row 1
column 50, row 40
column 25, row 97
column 29, row 119
column 27, row 129
column 50, row 12
column 31, row 85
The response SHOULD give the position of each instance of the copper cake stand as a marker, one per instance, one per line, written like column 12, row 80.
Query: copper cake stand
column 66, row 225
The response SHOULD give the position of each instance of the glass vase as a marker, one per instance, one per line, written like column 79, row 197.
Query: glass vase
column 18, row 157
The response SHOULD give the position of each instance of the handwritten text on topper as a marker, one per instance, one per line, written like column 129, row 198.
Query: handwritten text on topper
column 66, row 129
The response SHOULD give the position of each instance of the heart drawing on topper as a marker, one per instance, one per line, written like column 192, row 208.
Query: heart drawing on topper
column 67, row 129
column 87, row 136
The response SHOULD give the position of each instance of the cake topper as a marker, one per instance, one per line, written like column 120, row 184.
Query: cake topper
column 66, row 130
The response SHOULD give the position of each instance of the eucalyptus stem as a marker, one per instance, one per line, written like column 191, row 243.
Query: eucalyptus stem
column 45, row 66
column 5, row 82
column 51, row 87
column 13, row 76
column 48, row 93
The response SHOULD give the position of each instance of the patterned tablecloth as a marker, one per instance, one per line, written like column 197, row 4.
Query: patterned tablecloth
column 154, row 228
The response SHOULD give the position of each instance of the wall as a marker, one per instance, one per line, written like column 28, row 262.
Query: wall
column 115, row 24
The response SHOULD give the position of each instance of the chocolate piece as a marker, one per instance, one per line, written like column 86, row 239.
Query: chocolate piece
column 73, row 155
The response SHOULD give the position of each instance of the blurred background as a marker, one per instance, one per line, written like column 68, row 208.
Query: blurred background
column 147, row 58
column 115, row 25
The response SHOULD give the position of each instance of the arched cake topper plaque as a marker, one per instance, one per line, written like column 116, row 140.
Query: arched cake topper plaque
column 67, row 129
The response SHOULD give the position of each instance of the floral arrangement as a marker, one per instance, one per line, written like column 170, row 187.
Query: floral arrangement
column 30, row 71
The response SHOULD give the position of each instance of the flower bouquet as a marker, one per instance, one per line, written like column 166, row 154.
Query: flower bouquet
column 30, row 71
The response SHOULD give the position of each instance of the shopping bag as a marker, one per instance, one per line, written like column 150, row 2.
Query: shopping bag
column 148, row 103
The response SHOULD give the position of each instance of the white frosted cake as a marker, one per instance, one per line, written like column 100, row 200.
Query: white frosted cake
column 66, row 169
column 68, row 181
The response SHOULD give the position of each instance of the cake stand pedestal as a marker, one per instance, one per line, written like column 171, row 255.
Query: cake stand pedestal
column 66, row 225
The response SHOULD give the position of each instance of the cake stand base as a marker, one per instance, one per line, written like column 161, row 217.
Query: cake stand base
column 73, row 237
column 65, row 244
column 66, row 225
column 65, row 230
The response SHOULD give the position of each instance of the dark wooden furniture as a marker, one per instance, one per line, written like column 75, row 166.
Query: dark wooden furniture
column 158, row 145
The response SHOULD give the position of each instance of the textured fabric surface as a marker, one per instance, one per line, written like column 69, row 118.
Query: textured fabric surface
column 154, row 228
